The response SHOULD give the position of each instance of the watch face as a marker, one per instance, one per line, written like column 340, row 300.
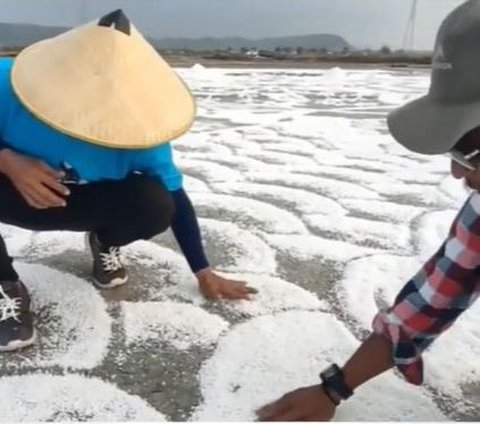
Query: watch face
column 331, row 371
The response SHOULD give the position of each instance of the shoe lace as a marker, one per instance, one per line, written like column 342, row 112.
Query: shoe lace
column 9, row 307
column 111, row 260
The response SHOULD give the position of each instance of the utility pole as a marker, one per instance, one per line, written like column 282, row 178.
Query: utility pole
column 409, row 36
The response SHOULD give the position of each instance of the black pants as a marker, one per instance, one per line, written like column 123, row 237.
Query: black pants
column 119, row 212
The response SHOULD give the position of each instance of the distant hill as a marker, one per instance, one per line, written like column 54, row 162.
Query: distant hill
column 20, row 35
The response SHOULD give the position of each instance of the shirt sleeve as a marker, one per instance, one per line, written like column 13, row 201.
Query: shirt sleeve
column 436, row 296
column 164, row 168
column 187, row 231
column 5, row 97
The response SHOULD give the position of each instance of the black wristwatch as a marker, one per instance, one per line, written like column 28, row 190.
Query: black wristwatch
column 333, row 381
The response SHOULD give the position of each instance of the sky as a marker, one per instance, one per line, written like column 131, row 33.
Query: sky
column 364, row 23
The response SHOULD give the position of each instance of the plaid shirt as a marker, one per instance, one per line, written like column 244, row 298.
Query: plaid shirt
column 433, row 299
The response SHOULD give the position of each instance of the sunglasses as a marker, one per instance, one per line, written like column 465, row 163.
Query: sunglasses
column 463, row 159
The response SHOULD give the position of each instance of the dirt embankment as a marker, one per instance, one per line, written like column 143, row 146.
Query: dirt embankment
column 216, row 60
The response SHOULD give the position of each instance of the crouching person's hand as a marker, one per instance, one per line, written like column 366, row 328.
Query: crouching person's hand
column 215, row 287
column 38, row 184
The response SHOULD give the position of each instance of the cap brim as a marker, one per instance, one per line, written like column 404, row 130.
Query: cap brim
column 429, row 127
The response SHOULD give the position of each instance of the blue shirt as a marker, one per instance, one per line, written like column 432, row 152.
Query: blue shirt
column 24, row 133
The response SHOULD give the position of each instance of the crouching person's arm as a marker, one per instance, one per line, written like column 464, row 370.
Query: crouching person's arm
column 187, row 233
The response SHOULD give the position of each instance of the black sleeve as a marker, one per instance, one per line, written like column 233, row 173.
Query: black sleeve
column 187, row 232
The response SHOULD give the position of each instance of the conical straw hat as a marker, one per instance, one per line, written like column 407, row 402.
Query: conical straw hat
column 105, row 84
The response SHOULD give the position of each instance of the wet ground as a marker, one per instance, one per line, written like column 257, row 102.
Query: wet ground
column 299, row 190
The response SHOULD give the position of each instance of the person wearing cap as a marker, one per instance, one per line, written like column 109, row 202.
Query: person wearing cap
column 86, row 121
column 445, row 121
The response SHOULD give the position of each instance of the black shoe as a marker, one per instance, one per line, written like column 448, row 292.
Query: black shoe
column 108, row 270
column 16, row 319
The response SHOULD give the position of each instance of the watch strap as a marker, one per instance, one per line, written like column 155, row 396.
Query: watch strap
column 333, row 380
column 329, row 395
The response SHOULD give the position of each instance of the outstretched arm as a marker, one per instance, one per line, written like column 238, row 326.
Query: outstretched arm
column 428, row 305
column 187, row 233
column 373, row 357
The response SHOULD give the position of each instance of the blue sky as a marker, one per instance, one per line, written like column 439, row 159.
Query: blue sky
column 362, row 22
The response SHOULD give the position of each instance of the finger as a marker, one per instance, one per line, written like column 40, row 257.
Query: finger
column 51, row 198
column 235, row 293
column 289, row 415
column 53, row 184
column 32, row 202
column 245, row 287
column 237, row 282
column 34, row 199
column 313, row 417
column 57, row 175
column 273, row 409
column 244, row 292
column 46, row 196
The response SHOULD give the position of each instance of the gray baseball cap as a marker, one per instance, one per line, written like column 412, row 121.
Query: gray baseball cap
column 433, row 124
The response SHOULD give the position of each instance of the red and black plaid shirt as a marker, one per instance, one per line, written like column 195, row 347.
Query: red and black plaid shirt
column 432, row 300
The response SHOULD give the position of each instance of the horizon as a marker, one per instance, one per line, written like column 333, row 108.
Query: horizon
column 231, row 36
